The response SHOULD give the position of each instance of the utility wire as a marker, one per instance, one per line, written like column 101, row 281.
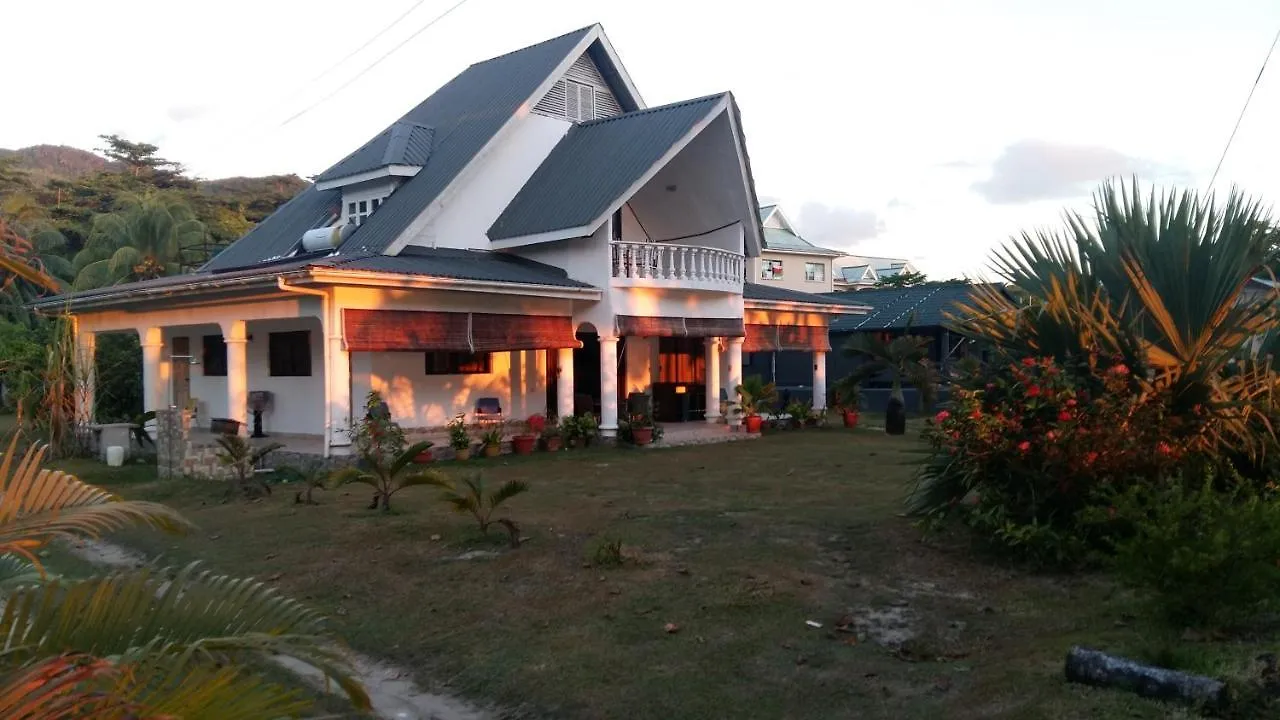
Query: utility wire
column 373, row 64
column 370, row 41
column 1256, row 80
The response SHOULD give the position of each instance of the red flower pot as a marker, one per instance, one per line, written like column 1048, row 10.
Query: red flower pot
column 753, row 423
column 424, row 457
column 523, row 444
column 641, row 435
column 851, row 418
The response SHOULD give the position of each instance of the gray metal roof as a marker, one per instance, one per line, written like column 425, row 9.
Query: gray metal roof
column 460, row 265
column 464, row 115
column 773, row 293
column 765, row 210
column 281, row 232
column 404, row 143
column 594, row 164
column 777, row 239
column 923, row 305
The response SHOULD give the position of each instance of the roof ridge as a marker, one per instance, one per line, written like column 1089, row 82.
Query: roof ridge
column 657, row 109
column 534, row 45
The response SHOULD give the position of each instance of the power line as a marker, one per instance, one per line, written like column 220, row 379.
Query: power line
column 370, row 41
column 373, row 64
column 1256, row 80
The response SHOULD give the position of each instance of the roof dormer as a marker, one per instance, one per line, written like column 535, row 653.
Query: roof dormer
column 396, row 153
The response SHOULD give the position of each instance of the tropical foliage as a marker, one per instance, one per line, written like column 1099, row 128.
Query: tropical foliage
column 148, row 237
column 387, row 461
column 905, row 359
column 755, row 395
column 468, row 496
column 142, row 643
column 241, row 457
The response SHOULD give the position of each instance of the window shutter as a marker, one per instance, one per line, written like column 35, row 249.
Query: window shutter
column 586, row 102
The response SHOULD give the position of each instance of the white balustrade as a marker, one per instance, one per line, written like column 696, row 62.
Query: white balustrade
column 672, row 264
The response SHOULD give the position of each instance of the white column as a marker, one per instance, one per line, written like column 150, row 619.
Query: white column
column 819, row 379
column 236, row 336
column 564, row 384
column 155, row 395
column 339, row 380
column 86, row 376
column 713, row 380
column 735, row 376
column 608, row 386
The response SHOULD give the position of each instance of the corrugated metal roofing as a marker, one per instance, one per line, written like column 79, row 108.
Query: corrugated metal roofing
column 766, row 210
column 461, row 265
column 777, row 239
column 404, row 143
column 923, row 305
column 594, row 164
column 464, row 115
column 773, row 293
column 281, row 232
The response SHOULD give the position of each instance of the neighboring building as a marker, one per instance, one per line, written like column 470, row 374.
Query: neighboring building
column 859, row 272
column 532, row 232
column 788, row 260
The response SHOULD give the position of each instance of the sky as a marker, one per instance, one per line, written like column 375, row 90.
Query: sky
column 927, row 129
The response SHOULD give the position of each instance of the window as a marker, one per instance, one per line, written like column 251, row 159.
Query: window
column 579, row 101
column 214, row 356
column 770, row 269
column 359, row 210
column 815, row 272
column 289, row 353
column 445, row 362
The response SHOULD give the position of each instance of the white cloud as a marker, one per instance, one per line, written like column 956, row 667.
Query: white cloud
column 1032, row 170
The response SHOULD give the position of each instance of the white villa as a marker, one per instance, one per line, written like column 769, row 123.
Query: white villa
column 532, row 232
column 788, row 260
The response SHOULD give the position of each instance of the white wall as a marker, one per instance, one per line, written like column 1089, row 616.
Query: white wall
column 418, row 400
column 793, row 271
column 297, row 402
column 632, row 231
column 472, row 206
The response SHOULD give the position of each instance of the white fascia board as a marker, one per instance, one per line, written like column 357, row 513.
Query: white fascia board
column 619, row 67
column 835, row 309
column 786, row 224
column 428, row 214
column 757, row 233
column 817, row 252
column 374, row 174
column 417, row 282
column 625, row 195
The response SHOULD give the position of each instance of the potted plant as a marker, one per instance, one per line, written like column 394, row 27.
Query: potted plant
column 644, row 431
column 754, row 395
column 800, row 412
column 424, row 455
column 492, row 441
column 569, row 430
column 588, row 428
column 459, row 438
column 552, row 439
column 847, row 397
column 525, row 442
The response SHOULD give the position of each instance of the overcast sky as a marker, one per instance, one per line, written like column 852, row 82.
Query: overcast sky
column 924, row 129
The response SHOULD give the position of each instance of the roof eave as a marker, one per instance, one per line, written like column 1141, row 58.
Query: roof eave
column 789, row 305
column 338, row 276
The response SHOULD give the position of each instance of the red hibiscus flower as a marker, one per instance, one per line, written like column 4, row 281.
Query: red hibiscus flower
column 941, row 416
column 1029, row 362
column 1064, row 416
column 1024, row 446
column 1033, row 391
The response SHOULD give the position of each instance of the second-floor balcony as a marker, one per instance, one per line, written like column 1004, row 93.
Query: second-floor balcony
column 647, row 264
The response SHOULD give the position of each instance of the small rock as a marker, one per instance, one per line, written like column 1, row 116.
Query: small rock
column 813, row 623
column 671, row 628
column 342, row 611
column 270, row 556
column 682, row 571
column 214, row 537
column 435, row 538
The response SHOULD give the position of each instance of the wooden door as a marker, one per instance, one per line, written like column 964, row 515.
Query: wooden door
column 180, row 365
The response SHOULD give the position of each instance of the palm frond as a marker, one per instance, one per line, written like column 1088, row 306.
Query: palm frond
column 409, row 456
column 62, row 687
column 426, row 477
column 348, row 475
column 16, row 570
column 509, row 489
column 196, row 617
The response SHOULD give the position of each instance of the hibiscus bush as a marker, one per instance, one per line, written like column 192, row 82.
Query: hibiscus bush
column 1027, row 446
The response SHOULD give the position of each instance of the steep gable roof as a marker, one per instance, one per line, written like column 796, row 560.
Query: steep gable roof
column 787, row 241
column 463, row 115
column 594, row 164
column 766, row 211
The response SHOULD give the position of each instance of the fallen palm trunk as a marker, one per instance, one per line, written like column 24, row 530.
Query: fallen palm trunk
column 1093, row 667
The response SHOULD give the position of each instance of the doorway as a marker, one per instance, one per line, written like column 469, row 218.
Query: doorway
column 180, row 365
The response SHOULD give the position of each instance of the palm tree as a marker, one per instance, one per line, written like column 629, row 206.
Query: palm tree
column 141, row 643
column 1157, row 282
column 148, row 237
column 906, row 359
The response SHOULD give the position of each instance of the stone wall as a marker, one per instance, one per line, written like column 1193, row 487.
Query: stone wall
column 177, row 456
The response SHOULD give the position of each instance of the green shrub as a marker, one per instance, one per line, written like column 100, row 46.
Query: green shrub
column 1206, row 553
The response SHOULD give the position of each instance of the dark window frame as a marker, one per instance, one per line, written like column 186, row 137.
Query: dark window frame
column 289, row 353
column 213, row 356
column 456, row 362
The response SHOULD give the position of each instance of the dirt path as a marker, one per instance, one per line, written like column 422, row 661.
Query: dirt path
column 391, row 689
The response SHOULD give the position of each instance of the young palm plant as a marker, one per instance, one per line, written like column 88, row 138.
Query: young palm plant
column 386, row 464
column 143, row 643
column 1157, row 282
column 468, row 497
column 241, row 458
column 906, row 359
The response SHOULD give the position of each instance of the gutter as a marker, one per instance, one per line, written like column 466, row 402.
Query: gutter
column 325, row 327
column 427, row 282
column 128, row 296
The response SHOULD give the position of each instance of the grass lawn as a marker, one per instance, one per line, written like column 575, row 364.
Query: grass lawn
column 738, row 544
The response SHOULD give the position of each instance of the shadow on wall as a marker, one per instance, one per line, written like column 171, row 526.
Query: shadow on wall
column 517, row 379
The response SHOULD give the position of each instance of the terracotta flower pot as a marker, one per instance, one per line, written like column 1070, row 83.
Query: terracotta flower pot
column 851, row 418
column 642, row 435
column 493, row 450
column 523, row 444
column 753, row 423
column 463, row 453
column 554, row 443
column 424, row 457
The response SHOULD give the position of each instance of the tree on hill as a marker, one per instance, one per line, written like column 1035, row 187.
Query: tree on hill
column 142, row 162
column 902, row 280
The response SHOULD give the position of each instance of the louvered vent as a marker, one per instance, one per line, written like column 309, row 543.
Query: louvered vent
column 590, row 99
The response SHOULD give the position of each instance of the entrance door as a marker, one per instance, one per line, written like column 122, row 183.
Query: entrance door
column 681, row 391
column 181, row 371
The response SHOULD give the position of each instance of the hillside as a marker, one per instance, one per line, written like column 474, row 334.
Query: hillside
column 56, row 162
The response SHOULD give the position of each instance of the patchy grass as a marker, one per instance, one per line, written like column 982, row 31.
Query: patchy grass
column 737, row 545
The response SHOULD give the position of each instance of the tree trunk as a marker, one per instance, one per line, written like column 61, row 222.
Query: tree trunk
column 895, row 412
column 1093, row 667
